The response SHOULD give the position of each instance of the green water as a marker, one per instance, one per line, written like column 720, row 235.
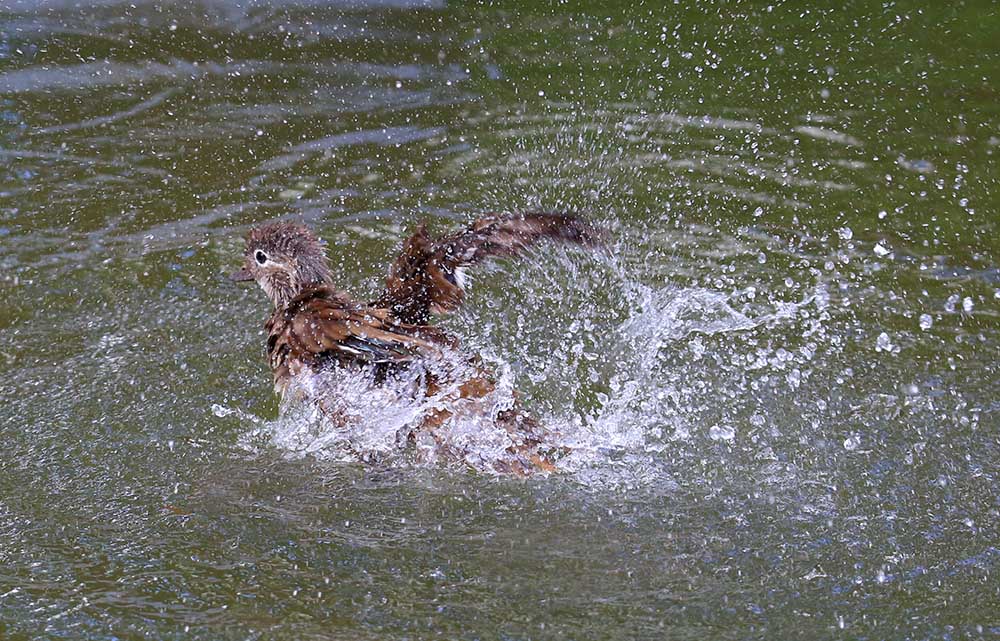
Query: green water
column 783, row 369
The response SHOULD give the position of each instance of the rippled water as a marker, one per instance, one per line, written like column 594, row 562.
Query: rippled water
column 780, row 378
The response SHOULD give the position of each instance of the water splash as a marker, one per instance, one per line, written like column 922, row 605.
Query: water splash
column 343, row 414
column 626, row 377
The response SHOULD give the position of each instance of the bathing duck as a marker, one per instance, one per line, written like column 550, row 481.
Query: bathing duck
column 316, row 327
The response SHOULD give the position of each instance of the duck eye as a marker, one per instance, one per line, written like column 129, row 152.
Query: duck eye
column 260, row 257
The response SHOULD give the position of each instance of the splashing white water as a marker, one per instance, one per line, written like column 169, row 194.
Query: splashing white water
column 642, row 373
column 343, row 414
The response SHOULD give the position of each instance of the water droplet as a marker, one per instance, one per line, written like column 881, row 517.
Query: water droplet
column 220, row 411
column 926, row 322
column 852, row 442
column 884, row 344
column 721, row 433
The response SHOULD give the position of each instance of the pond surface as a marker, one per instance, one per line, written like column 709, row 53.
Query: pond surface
column 783, row 371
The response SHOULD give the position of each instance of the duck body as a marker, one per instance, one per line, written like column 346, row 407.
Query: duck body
column 317, row 331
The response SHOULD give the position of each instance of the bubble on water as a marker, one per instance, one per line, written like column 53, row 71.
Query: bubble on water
column 852, row 442
column 967, row 305
column 926, row 322
column 881, row 250
column 949, row 305
column 845, row 233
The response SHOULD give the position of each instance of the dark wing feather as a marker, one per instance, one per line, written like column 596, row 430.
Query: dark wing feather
column 323, row 325
column 427, row 276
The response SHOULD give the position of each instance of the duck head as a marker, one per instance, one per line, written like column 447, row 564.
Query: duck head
column 284, row 258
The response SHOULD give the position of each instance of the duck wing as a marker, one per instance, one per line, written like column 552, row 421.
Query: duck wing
column 428, row 276
column 324, row 325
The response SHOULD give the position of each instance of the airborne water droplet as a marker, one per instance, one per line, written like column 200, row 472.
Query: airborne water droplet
column 219, row 411
column 721, row 433
column 884, row 344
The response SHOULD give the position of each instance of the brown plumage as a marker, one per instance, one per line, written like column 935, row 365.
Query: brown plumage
column 428, row 276
column 316, row 326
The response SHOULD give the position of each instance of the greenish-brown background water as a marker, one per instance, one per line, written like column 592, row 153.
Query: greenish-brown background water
column 785, row 366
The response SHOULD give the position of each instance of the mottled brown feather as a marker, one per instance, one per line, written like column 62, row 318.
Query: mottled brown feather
column 323, row 325
column 426, row 278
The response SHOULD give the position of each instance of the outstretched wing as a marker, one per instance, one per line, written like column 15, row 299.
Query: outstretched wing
column 428, row 278
column 323, row 325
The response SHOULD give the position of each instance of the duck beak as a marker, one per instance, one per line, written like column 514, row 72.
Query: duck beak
column 241, row 275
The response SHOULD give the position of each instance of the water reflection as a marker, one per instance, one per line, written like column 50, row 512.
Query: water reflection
column 782, row 377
